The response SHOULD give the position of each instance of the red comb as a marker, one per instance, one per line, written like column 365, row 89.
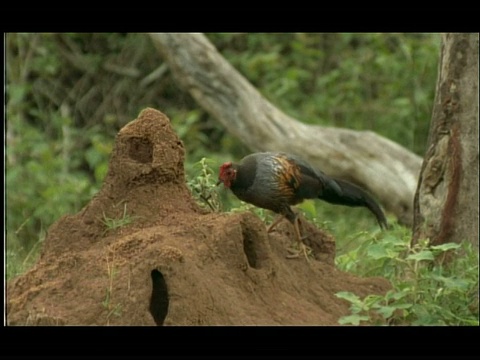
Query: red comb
column 225, row 166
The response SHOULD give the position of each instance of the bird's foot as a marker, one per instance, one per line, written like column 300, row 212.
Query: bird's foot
column 274, row 224
column 306, row 236
column 295, row 253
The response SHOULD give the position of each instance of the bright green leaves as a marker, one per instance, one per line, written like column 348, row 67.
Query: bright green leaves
column 425, row 291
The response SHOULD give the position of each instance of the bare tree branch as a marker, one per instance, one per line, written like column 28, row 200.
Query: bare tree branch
column 385, row 168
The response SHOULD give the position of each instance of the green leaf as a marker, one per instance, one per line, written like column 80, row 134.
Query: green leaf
column 402, row 306
column 396, row 241
column 352, row 319
column 377, row 251
column 445, row 247
column 350, row 297
column 422, row 255
column 371, row 301
column 386, row 311
column 397, row 295
column 452, row 283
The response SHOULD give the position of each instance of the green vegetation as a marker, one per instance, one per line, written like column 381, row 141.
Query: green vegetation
column 202, row 183
column 113, row 309
column 425, row 291
column 115, row 223
column 380, row 82
column 69, row 94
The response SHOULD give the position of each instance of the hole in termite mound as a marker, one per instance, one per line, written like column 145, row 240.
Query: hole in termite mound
column 159, row 300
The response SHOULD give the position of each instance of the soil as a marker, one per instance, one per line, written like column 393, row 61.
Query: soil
column 176, row 263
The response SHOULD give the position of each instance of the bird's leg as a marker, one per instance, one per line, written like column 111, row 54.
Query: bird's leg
column 301, row 245
column 274, row 223
column 290, row 215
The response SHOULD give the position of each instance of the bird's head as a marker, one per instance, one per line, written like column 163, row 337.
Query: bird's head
column 227, row 174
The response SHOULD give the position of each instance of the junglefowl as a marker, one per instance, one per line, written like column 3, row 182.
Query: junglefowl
column 275, row 181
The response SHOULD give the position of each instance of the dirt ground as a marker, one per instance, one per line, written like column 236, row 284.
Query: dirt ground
column 175, row 264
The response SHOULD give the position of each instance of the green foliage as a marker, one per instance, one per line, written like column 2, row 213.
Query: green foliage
column 203, row 185
column 113, row 309
column 67, row 95
column 379, row 82
column 19, row 259
column 115, row 223
column 425, row 290
column 42, row 179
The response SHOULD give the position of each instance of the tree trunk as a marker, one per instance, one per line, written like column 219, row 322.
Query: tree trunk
column 383, row 167
column 446, row 202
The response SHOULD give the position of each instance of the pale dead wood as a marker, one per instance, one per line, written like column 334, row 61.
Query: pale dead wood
column 383, row 167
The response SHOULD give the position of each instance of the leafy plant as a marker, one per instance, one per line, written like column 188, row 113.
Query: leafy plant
column 358, row 81
column 203, row 185
column 114, row 223
column 112, row 309
column 18, row 260
column 425, row 290
column 67, row 95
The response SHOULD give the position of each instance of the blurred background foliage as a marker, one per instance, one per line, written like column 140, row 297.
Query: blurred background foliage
column 69, row 94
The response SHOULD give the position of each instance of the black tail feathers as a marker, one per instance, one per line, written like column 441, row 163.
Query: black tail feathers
column 352, row 195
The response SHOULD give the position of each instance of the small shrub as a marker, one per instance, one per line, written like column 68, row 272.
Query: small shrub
column 203, row 185
column 425, row 290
